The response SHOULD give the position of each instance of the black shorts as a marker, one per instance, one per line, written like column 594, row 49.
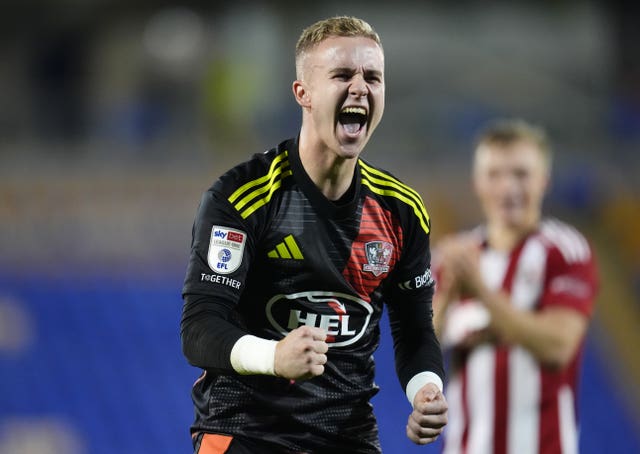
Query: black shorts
column 205, row 443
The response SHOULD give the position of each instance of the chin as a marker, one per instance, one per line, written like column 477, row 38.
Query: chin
column 351, row 147
column 511, row 220
column 517, row 223
column 351, row 150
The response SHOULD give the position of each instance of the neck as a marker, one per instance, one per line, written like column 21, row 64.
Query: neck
column 506, row 238
column 331, row 173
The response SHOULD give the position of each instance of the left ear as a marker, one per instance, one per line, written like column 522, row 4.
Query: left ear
column 301, row 93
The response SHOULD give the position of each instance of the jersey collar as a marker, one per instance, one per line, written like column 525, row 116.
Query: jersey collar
column 340, row 209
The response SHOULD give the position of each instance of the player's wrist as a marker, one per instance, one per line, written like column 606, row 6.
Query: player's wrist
column 419, row 380
column 252, row 355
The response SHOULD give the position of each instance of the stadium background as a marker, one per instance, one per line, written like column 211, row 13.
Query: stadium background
column 115, row 116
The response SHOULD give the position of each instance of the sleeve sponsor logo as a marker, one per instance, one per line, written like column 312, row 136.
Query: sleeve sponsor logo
column 423, row 280
column 226, row 249
column 571, row 285
column 344, row 317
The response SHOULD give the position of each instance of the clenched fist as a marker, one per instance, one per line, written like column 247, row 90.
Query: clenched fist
column 301, row 354
column 429, row 415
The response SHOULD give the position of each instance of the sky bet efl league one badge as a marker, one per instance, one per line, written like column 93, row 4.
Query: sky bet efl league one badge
column 378, row 256
column 226, row 249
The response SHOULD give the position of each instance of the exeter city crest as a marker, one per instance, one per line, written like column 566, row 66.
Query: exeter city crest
column 378, row 255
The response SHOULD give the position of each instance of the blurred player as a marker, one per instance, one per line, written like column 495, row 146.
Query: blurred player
column 513, row 301
column 293, row 254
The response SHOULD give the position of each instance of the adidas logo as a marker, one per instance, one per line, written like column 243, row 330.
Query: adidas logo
column 287, row 249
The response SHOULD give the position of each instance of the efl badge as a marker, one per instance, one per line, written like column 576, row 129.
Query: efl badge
column 378, row 256
column 226, row 249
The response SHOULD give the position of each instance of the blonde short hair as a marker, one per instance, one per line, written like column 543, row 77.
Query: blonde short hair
column 334, row 26
column 505, row 132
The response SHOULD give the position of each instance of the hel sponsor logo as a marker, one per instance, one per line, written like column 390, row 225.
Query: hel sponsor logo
column 217, row 279
column 226, row 249
column 423, row 280
column 345, row 318
column 378, row 255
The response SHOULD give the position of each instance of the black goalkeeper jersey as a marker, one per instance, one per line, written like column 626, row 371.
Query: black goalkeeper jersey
column 270, row 253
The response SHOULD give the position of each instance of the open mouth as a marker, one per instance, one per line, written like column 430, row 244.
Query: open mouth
column 353, row 119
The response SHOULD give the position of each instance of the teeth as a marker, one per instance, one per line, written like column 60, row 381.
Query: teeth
column 354, row 110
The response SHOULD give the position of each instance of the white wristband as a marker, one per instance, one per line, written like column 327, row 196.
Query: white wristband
column 418, row 381
column 253, row 355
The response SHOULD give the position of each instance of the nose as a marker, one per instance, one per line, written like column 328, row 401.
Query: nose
column 359, row 87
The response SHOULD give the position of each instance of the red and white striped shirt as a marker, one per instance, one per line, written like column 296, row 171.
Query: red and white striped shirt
column 501, row 400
